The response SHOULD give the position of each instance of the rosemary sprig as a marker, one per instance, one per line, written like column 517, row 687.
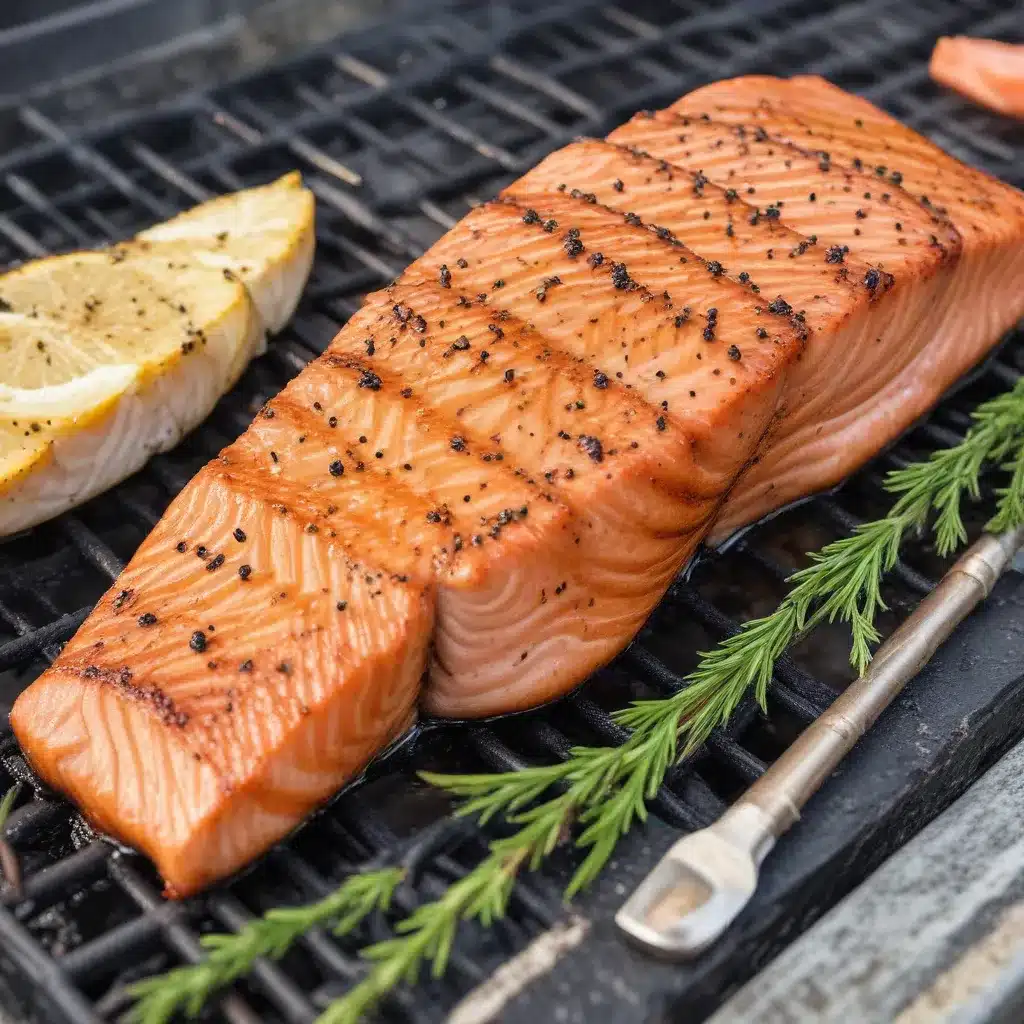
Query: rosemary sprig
column 233, row 955
column 428, row 933
column 7, row 803
column 605, row 789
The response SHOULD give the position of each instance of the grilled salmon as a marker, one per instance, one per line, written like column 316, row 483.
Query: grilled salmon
column 479, row 491
column 984, row 70
column 836, row 168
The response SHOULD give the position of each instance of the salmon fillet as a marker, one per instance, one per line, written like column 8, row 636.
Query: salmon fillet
column 480, row 490
column 951, row 298
column 984, row 70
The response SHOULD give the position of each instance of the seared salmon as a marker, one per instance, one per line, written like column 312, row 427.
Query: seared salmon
column 836, row 168
column 984, row 70
column 482, row 488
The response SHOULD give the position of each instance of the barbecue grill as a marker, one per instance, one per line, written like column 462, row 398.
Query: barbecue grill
column 398, row 129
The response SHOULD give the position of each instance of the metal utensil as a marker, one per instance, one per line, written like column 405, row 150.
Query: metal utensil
column 704, row 881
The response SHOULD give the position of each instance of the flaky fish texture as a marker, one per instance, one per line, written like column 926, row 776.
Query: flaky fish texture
column 478, row 493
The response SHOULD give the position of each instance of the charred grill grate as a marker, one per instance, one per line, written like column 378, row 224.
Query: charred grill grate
column 397, row 129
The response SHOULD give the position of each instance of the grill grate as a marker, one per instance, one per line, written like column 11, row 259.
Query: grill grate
column 397, row 129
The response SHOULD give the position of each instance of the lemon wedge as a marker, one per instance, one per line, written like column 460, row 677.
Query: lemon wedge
column 264, row 235
column 109, row 357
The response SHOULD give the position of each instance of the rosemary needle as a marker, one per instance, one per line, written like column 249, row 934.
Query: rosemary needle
column 606, row 789
column 8, row 857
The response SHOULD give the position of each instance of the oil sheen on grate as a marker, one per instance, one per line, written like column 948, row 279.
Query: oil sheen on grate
column 398, row 129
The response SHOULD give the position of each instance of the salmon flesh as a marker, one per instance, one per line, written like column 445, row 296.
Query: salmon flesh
column 479, row 492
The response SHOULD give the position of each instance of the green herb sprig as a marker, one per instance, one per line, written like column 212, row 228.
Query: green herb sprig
column 605, row 790
column 231, row 956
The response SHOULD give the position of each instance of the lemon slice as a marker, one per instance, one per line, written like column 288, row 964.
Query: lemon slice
column 264, row 235
column 105, row 359
column 108, row 357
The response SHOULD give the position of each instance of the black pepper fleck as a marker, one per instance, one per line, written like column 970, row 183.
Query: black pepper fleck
column 620, row 277
column 592, row 446
column 198, row 641
column 336, row 468
column 712, row 324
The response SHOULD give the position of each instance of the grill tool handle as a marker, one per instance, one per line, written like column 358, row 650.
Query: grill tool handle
column 704, row 881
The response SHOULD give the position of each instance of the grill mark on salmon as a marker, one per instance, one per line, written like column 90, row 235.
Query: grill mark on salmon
column 213, row 698
column 774, row 174
column 982, row 209
column 852, row 395
column 201, row 752
column 663, row 337
column 755, row 249
column 618, row 558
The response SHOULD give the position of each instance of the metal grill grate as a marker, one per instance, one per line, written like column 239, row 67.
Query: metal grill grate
column 397, row 129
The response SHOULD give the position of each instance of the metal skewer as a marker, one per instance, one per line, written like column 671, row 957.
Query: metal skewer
column 705, row 880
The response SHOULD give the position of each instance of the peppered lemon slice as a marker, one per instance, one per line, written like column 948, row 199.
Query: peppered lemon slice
column 105, row 359
column 108, row 357
column 264, row 235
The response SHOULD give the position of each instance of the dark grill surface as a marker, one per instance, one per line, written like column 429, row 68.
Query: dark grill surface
column 397, row 129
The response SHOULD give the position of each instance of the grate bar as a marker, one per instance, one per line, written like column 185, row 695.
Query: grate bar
column 16, row 651
column 48, row 886
column 180, row 938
